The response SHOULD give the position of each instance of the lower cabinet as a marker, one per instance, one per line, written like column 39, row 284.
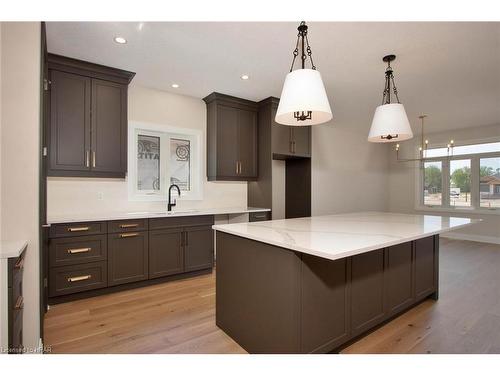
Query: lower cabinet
column 127, row 257
column 425, row 267
column 166, row 255
column 398, row 278
column 198, row 248
column 367, row 290
column 125, row 252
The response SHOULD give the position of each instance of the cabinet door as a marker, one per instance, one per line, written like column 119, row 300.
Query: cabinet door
column 166, row 255
column 301, row 138
column 109, row 127
column 69, row 145
column 127, row 257
column 398, row 277
column 367, row 291
column 425, row 267
column 227, row 141
column 198, row 248
column 281, row 139
column 247, row 143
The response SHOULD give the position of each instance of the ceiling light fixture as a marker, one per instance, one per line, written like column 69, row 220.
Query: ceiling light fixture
column 303, row 99
column 175, row 85
column 424, row 145
column 244, row 77
column 390, row 123
column 120, row 40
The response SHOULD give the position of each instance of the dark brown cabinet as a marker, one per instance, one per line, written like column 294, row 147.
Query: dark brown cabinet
column 398, row 277
column 127, row 257
column 198, row 248
column 425, row 267
column 367, row 290
column 100, row 257
column 166, row 255
column 87, row 131
column 231, row 138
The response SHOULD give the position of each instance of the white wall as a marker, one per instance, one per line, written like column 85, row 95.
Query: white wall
column 348, row 173
column 402, row 180
column 69, row 195
column 19, row 144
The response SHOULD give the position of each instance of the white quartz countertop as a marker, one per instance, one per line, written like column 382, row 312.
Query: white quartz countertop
column 77, row 217
column 12, row 249
column 339, row 236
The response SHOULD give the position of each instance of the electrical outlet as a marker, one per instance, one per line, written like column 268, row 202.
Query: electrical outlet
column 100, row 196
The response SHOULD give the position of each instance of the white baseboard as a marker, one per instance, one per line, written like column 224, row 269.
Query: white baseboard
column 471, row 237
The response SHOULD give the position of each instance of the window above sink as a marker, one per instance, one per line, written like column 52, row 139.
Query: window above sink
column 161, row 155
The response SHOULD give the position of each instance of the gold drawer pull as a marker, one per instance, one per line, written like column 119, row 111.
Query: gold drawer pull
column 125, row 235
column 128, row 225
column 79, row 278
column 78, row 229
column 77, row 251
column 19, row 303
column 20, row 263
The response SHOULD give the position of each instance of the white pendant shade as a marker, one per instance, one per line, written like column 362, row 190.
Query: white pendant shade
column 303, row 91
column 390, row 124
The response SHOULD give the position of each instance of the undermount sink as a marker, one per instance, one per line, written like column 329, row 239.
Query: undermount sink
column 176, row 212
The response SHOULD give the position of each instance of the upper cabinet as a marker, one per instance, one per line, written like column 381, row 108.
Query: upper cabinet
column 231, row 138
column 87, row 133
column 287, row 141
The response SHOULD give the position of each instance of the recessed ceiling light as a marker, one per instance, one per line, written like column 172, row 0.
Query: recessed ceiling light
column 120, row 40
column 175, row 85
column 244, row 77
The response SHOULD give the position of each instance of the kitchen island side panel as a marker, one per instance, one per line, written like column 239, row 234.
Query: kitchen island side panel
column 258, row 294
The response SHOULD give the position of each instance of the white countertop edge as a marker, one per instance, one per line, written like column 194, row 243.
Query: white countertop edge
column 12, row 249
column 151, row 215
column 345, row 254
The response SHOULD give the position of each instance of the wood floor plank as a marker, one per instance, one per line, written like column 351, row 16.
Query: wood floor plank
column 179, row 316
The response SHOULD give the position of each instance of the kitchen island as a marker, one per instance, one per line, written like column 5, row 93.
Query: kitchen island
column 311, row 285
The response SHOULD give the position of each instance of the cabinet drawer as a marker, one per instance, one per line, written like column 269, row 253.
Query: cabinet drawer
column 183, row 221
column 77, row 229
column 77, row 250
column 16, row 333
column 15, row 271
column 127, row 225
column 78, row 278
column 259, row 216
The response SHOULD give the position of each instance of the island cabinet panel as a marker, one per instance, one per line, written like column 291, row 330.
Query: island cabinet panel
column 426, row 263
column 398, row 278
column 258, row 295
column 325, row 304
column 166, row 252
column 367, row 290
column 127, row 257
column 198, row 248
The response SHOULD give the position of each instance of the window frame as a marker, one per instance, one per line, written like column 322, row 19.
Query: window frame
column 475, row 207
column 165, row 132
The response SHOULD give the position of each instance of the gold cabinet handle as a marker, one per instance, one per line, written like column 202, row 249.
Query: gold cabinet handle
column 87, row 158
column 240, row 167
column 125, row 235
column 78, row 278
column 78, row 229
column 237, row 168
column 19, row 264
column 19, row 303
column 93, row 159
column 129, row 225
column 80, row 250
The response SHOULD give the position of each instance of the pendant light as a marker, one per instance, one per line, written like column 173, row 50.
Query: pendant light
column 390, row 123
column 303, row 100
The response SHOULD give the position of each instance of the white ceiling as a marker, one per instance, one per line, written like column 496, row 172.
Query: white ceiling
column 450, row 71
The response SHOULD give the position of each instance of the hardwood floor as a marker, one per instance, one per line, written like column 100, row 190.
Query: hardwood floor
column 179, row 317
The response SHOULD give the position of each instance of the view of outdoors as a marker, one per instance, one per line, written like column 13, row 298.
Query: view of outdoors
column 460, row 183
column 432, row 183
column 148, row 162
column 180, row 171
column 489, row 182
